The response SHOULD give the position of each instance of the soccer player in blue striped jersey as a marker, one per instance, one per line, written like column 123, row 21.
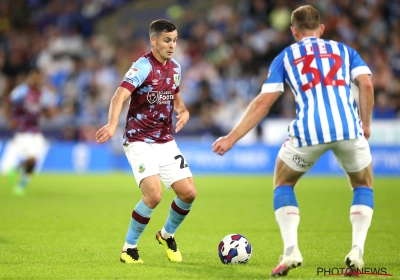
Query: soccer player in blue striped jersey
column 319, row 73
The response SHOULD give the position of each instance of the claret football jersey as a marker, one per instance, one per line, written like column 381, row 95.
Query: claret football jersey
column 153, row 86
column 27, row 104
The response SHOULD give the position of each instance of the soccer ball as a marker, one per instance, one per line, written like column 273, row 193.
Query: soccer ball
column 234, row 248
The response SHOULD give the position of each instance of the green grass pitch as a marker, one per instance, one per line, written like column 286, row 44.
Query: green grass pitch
column 73, row 227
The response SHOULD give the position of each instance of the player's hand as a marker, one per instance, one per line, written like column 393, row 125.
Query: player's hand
column 182, row 118
column 105, row 133
column 13, row 123
column 367, row 131
column 222, row 145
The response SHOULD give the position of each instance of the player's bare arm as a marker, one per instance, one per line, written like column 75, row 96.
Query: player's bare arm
column 50, row 112
column 107, row 131
column 181, row 111
column 255, row 112
column 366, row 100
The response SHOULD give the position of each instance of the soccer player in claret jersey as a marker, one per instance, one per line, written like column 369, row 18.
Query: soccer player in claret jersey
column 152, row 84
column 319, row 73
column 27, row 102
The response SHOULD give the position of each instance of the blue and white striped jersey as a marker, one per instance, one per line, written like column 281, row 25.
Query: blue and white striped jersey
column 319, row 73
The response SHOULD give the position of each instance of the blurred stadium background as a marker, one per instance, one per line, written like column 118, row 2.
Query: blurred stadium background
column 225, row 47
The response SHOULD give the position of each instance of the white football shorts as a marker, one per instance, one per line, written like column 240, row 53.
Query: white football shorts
column 352, row 155
column 29, row 144
column 165, row 160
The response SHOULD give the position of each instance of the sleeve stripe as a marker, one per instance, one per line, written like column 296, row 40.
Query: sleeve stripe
column 359, row 71
column 128, row 86
column 272, row 87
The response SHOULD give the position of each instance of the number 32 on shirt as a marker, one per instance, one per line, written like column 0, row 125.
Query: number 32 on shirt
column 328, row 80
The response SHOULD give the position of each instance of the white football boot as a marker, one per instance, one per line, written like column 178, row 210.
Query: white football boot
column 354, row 262
column 287, row 262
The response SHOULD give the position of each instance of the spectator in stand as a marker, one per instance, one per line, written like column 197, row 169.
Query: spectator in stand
column 383, row 108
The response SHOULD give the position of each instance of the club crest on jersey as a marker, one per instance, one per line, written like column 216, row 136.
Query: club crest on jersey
column 141, row 168
column 176, row 79
column 152, row 97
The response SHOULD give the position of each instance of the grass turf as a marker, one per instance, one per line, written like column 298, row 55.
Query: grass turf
column 73, row 227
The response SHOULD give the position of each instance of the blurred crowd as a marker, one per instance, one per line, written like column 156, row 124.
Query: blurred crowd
column 225, row 54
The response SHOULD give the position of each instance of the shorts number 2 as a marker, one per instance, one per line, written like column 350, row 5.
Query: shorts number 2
column 183, row 164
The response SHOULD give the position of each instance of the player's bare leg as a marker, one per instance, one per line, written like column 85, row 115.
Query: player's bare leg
column 180, row 207
column 185, row 189
column 27, row 167
column 361, row 178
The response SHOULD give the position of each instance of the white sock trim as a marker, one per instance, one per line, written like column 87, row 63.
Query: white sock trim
column 165, row 234
column 128, row 246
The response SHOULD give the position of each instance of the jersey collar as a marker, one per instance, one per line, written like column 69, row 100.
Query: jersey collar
column 308, row 37
column 162, row 66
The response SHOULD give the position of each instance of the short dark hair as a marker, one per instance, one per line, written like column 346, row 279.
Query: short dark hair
column 305, row 18
column 161, row 25
column 33, row 69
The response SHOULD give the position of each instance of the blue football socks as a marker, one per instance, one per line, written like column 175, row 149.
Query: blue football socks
column 363, row 196
column 177, row 214
column 284, row 196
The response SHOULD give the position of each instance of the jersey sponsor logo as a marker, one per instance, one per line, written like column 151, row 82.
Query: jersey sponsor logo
column 161, row 97
column 32, row 107
column 131, row 72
